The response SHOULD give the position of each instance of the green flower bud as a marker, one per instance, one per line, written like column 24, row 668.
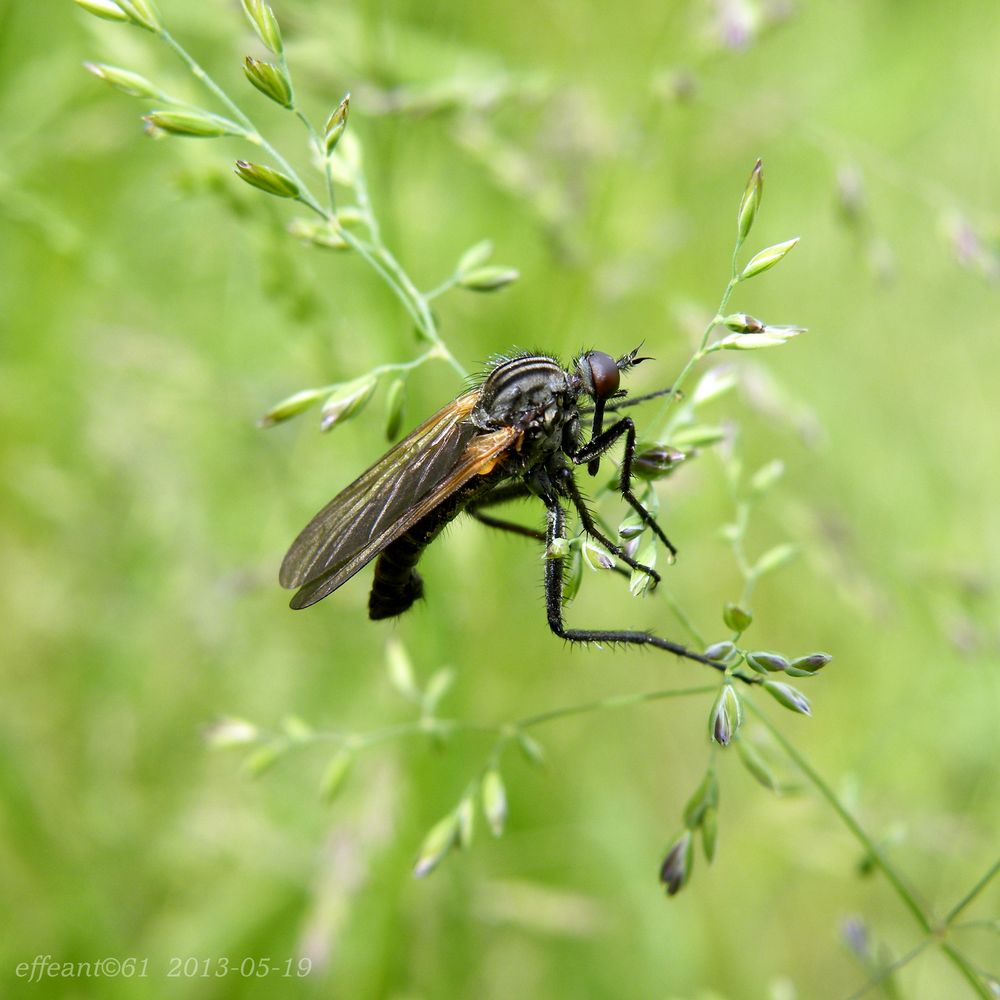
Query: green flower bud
column 766, row 476
column 705, row 796
column 263, row 759
column 192, row 124
column 441, row 838
column 597, row 557
column 269, row 79
column 345, row 160
column 742, row 323
column 750, row 202
column 488, row 279
column 437, row 687
column 784, row 330
column 756, row 765
column 336, row 124
column 767, row 258
column 264, row 23
column 736, row 618
column 319, row 233
column 141, row 13
column 474, row 257
column 726, row 716
column 530, row 747
column 640, row 581
column 558, row 548
column 230, row 732
column 788, row 696
column 632, row 527
column 266, row 179
column 291, row 407
column 572, row 573
column 806, row 666
column 713, row 384
column 774, row 558
column 296, row 729
column 850, row 192
column 494, row 801
column 710, row 833
column 466, row 814
column 676, row 868
column 400, row 670
column 721, row 650
column 765, row 663
column 656, row 461
column 335, row 775
column 395, row 403
column 351, row 218
column 106, row 9
column 748, row 342
column 123, row 80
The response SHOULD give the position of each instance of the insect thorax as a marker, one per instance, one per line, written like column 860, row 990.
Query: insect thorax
column 535, row 395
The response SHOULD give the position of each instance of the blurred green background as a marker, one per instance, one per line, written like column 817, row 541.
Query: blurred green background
column 152, row 308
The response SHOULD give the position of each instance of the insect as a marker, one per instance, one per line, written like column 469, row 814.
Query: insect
column 517, row 434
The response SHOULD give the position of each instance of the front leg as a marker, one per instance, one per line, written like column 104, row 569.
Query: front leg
column 567, row 483
column 556, row 529
column 601, row 444
column 504, row 494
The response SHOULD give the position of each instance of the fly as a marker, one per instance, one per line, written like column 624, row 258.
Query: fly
column 517, row 434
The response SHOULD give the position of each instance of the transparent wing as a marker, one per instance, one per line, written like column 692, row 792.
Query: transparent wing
column 480, row 457
column 426, row 467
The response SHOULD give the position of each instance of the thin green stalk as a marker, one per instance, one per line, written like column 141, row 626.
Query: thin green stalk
column 389, row 368
column 423, row 726
column 394, row 274
column 373, row 257
column 615, row 701
column 980, row 925
column 199, row 73
column 364, row 203
column 972, row 975
column 253, row 135
column 737, row 546
column 972, row 893
column 681, row 616
column 739, row 552
column 425, row 320
column 506, row 731
column 378, row 256
column 317, row 141
column 905, row 894
column 446, row 286
column 405, row 366
column 678, row 383
column 883, row 974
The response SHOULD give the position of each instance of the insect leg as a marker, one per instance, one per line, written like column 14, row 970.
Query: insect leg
column 515, row 491
column 599, row 446
column 503, row 494
column 620, row 404
column 614, row 405
column 568, row 483
column 556, row 527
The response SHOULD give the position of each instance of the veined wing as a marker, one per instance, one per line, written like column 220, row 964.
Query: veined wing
column 480, row 457
column 381, row 495
column 435, row 460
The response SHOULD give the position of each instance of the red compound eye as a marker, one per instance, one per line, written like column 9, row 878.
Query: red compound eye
column 604, row 376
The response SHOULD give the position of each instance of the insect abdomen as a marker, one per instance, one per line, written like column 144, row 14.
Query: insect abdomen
column 396, row 584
